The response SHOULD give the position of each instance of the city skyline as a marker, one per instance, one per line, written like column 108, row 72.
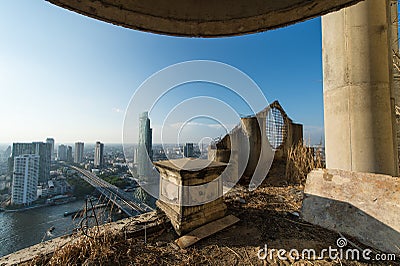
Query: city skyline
column 64, row 61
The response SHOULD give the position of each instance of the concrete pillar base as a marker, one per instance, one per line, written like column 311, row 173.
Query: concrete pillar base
column 185, row 219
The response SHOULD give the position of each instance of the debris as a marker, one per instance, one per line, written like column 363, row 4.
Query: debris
column 174, row 246
column 206, row 230
column 241, row 200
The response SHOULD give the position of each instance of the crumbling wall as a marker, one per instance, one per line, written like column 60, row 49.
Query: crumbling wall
column 251, row 143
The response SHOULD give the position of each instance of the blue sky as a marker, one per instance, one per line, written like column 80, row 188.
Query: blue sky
column 71, row 77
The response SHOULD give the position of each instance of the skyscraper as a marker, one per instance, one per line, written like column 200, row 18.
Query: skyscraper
column 145, row 152
column 18, row 149
column 69, row 154
column 135, row 155
column 188, row 150
column 99, row 155
column 44, row 151
column 25, row 179
column 51, row 142
column 78, row 156
column 22, row 148
column 62, row 153
column 38, row 148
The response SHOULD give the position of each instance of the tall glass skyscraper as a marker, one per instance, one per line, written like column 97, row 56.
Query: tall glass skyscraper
column 145, row 151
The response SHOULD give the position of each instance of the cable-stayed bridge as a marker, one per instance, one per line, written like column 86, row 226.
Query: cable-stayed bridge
column 123, row 200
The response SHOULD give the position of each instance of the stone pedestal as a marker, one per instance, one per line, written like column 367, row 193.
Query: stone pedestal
column 191, row 192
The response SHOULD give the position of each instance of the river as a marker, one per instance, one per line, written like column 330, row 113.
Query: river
column 19, row 230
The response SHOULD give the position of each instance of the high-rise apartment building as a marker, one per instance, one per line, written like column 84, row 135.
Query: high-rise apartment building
column 44, row 151
column 145, row 152
column 51, row 142
column 69, row 154
column 37, row 148
column 78, row 155
column 62, row 153
column 188, row 150
column 22, row 148
column 25, row 179
column 99, row 155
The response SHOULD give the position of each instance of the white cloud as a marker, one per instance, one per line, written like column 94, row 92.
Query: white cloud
column 117, row 110
column 204, row 125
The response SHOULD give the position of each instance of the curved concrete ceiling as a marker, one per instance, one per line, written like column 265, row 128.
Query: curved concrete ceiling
column 203, row 18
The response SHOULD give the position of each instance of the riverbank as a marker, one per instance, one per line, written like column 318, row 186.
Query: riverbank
column 36, row 206
column 26, row 208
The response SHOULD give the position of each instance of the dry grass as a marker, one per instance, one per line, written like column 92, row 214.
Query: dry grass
column 301, row 160
column 105, row 248
column 96, row 250
column 112, row 248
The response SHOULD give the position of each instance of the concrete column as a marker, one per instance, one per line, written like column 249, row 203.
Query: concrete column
column 357, row 89
column 394, row 48
column 395, row 72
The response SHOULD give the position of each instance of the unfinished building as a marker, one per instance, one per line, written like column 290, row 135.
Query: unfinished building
column 360, row 95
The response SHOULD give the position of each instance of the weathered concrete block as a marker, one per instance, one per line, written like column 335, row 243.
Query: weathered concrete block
column 363, row 205
column 191, row 192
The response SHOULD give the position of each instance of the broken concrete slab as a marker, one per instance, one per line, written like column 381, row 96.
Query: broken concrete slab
column 363, row 205
column 206, row 231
